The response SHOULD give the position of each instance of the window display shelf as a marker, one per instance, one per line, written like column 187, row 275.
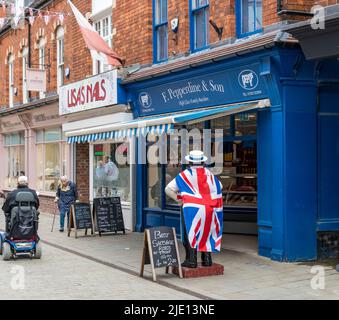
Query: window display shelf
column 234, row 195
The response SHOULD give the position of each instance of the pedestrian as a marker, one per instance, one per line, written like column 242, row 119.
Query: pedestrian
column 66, row 196
column 200, row 194
column 10, row 201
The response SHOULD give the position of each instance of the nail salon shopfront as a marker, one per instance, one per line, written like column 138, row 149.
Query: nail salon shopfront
column 101, row 163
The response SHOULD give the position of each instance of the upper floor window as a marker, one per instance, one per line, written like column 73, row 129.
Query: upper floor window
column 199, row 24
column 24, row 76
column 160, row 30
column 10, row 61
column 104, row 28
column 249, row 17
column 60, row 57
column 42, row 56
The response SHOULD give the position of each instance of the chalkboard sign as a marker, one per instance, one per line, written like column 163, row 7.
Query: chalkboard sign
column 80, row 218
column 160, row 250
column 108, row 214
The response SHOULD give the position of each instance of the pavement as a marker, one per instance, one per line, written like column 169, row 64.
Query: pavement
column 107, row 267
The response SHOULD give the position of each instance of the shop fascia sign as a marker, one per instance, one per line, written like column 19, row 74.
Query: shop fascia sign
column 94, row 92
column 236, row 85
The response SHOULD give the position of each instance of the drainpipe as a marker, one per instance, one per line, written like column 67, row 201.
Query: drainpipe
column 29, row 53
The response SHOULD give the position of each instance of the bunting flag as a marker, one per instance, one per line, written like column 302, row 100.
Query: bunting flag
column 61, row 18
column 17, row 11
column 31, row 20
column 46, row 18
column 12, row 8
column 16, row 20
column 95, row 43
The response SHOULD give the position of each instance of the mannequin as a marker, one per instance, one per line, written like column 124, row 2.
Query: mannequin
column 195, row 188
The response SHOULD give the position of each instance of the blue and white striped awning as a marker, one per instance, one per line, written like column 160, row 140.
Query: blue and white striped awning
column 158, row 125
column 121, row 134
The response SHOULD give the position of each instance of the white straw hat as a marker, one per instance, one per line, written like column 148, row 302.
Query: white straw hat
column 196, row 156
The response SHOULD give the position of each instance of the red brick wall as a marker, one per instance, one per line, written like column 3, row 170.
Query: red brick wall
column 77, row 56
column 47, row 205
column 132, row 21
column 82, row 171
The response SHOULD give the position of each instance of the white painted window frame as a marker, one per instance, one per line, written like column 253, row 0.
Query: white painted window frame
column 60, row 56
column 24, row 75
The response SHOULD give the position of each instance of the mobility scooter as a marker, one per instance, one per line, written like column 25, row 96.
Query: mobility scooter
column 21, row 236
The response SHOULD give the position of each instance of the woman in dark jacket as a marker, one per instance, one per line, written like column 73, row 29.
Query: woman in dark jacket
column 66, row 195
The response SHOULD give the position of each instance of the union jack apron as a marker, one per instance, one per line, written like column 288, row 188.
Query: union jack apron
column 201, row 195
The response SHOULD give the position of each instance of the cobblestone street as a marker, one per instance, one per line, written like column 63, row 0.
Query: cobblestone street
column 107, row 268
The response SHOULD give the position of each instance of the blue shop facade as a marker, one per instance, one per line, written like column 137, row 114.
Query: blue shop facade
column 280, row 116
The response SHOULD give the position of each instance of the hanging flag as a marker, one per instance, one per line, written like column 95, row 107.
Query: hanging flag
column 95, row 43
column 47, row 18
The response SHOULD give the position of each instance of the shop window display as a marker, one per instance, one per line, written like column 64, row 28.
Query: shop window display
column 50, row 158
column 238, row 172
column 111, row 172
column 14, row 158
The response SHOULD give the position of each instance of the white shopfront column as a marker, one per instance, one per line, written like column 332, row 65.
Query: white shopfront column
column 30, row 157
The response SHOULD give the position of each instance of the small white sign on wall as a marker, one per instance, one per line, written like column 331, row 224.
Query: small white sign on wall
column 36, row 80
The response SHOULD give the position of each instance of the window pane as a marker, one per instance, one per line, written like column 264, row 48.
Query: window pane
column 199, row 3
column 111, row 172
column 15, row 139
column 39, row 136
column 200, row 28
column 223, row 123
column 245, row 124
column 162, row 42
column 14, row 165
column 52, row 166
column 172, row 170
column 40, row 166
column 258, row 13
column 239, row 176
column 98, row 27
column 53, row 134
column 247, row 12
column 160, row 11
column 154, row 186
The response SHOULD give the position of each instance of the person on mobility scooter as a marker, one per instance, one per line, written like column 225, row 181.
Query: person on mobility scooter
column 21, row 213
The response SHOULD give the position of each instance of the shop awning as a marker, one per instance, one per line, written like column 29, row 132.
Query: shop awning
column 160, row 124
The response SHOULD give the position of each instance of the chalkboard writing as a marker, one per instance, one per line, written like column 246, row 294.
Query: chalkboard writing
column 80, row 218
column 83, row 216
column 160, row 250
column 163, row 247
column 108, row 213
